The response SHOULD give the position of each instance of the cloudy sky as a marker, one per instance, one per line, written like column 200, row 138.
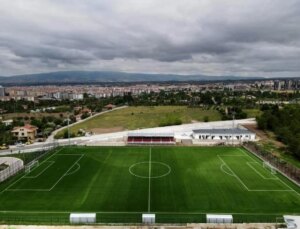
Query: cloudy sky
column 212, row 37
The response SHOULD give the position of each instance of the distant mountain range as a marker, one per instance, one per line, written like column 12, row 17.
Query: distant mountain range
column 105, row 76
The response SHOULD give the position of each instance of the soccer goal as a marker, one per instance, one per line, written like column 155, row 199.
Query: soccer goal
column 269, row 167
column 31, row 165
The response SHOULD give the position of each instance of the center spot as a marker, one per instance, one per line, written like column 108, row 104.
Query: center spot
column 154, row 169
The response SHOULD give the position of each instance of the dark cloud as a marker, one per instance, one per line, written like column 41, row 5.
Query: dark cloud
column 218, row 37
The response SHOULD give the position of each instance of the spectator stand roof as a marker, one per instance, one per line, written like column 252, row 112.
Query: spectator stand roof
column 141, row 134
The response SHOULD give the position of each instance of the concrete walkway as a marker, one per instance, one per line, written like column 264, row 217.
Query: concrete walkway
column 118, row 137
column 51, row 137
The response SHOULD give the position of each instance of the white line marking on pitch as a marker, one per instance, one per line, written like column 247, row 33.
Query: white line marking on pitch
column 6, row 189
column 48, row 190
column 262, row 176
column 222, row 168
column 246, row 152
column 51, row 163
column 152, row 162
column 234, row 174
column 149, row 191
column 66, row 173
column 259, row 190
column 78, row 167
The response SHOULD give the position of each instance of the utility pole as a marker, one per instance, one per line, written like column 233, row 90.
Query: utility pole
column 233, row 114
column 69, row 129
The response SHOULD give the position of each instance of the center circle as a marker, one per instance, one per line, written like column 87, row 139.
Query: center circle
column 153, row 169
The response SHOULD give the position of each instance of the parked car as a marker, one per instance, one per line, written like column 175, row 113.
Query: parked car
column 29, row 143
column 4, row 146
column 19, row 144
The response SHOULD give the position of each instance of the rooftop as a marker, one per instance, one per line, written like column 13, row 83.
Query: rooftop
column 137, row 134
column 223, row 131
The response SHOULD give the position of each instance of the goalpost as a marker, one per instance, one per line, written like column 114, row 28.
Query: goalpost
column 31, row 165
column 270, row 167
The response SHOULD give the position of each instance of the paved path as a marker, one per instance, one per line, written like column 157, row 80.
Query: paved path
column 51, row 137
column 117, row 137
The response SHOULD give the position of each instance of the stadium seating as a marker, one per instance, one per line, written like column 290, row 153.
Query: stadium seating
column 155, row 139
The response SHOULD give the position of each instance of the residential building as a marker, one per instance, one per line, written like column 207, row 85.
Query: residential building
column 7, row 122
column 235, row 134
column 27, row 132
column 2, row 91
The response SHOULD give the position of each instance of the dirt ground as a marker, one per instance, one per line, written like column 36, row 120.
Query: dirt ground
column 189, row 226
column 263, row 136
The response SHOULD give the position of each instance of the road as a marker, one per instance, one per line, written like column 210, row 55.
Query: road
column 51, row 137
column 118, row 137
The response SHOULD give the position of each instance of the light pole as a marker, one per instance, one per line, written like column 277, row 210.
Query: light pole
column 69, row 129
column 233, row 113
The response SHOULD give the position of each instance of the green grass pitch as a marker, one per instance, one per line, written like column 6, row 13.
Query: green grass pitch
column 179, row 184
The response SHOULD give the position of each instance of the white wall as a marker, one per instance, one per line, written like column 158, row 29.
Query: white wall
column 224, row 137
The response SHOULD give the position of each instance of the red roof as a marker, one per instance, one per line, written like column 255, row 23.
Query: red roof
column 110, row 106
column 30, row 127
column 27, row 126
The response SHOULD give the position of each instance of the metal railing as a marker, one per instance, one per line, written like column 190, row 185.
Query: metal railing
column 286, row 168
column 132, row 218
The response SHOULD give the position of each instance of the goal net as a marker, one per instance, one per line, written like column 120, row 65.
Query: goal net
column 269, row 167
column 31, row 166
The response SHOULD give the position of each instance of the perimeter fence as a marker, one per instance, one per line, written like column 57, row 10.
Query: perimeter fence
column 130, row 218
column 27, row 158
column 11, row 167
column 281, row 165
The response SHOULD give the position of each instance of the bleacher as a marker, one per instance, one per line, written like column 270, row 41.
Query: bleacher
column 151, row 138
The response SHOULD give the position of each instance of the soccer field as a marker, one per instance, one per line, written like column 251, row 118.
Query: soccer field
column 179, row 184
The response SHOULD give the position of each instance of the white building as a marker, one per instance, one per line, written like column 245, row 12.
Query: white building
column 224, row 135
column 8, row 122
column 2, row 91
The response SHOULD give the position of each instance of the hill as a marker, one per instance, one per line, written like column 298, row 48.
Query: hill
column 106, row 76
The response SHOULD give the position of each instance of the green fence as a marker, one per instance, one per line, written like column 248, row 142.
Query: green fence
column 34, row 218
column 129, row 218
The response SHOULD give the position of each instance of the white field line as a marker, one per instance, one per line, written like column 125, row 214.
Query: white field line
column 262, row 176
column 223, row 170
column 253, row 190
column 228, row 155
column 66, row 172
column 149, row 183
column 239, row 179
column 78, row 167
column 290, row 187
column 26, row 174
column 51, row 163
column 244, row 151
column 272, row 190
column 48, row 190
column 69, row 154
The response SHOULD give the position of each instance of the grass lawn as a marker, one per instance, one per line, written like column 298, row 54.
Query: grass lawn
column 142, row 117
column 35, row 115
column 252, row 113
column 179, row 184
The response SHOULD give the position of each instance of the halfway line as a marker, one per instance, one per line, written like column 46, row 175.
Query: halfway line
column 149, row 183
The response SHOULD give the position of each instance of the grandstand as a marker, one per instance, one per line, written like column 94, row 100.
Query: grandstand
column 151, row 138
